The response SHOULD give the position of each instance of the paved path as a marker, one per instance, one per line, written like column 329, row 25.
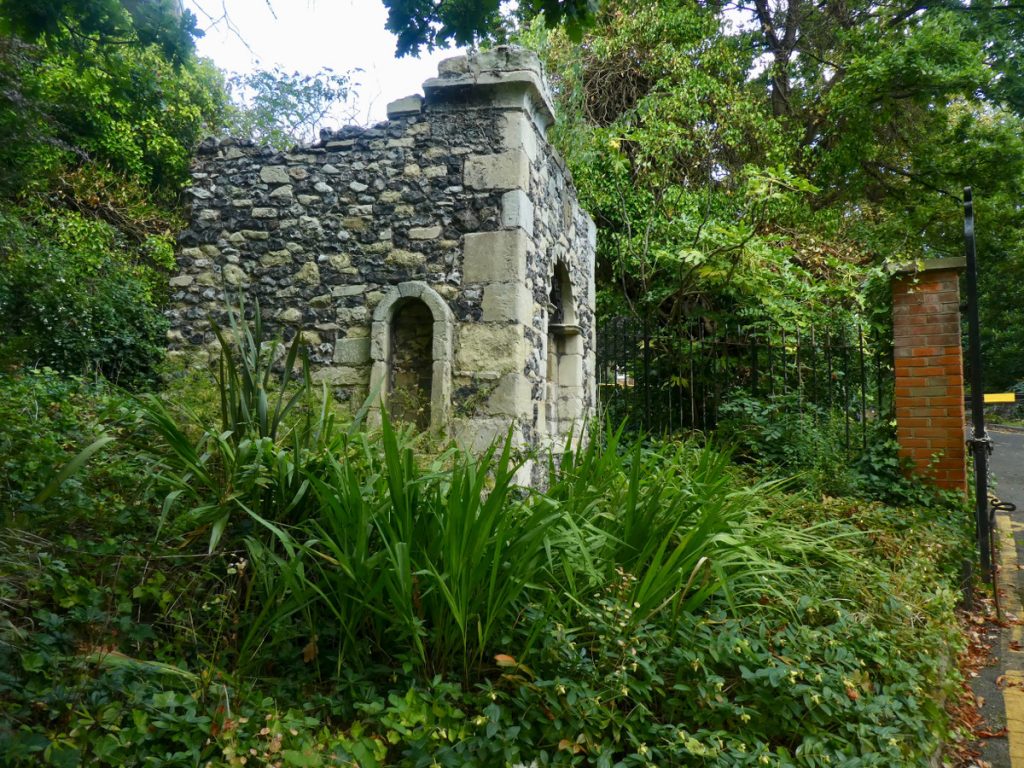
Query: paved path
column 1005, row 679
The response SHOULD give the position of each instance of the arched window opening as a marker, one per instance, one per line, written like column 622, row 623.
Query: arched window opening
column 564, row 359
column 411, row 365
column 561, row 304
column 411, row 349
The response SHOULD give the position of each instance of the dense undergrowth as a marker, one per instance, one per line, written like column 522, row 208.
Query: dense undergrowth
column 253, row 581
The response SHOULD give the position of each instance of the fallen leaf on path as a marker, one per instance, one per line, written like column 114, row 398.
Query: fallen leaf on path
column 1000, row 734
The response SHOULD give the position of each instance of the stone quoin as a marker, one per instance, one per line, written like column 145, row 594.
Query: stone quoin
column 438, row 261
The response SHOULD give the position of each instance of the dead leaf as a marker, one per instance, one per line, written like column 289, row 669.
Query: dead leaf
column 310, row 651
column 1000, row 734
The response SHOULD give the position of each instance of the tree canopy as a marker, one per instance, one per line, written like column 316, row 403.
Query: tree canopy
column 102, row 103
column 420, row 24
column 768, row 157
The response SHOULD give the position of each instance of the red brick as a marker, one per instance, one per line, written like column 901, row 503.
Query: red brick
column 912, row 422
column 915, row 442
column 947, row 400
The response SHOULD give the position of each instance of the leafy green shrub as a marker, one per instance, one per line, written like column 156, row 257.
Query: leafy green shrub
column 651, row 607
column 47, row 419
column 879, row 473
column 810, row 446
column 71, row 301
column 411, row 564
column 83, row 624
column 784, row 438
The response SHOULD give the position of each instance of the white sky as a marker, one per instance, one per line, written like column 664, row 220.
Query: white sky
column 307, row 35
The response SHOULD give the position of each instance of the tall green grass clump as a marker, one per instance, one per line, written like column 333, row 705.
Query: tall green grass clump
column 364, row 552
column 253, row 462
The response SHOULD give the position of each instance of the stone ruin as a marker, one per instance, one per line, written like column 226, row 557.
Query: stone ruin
column 438, row 261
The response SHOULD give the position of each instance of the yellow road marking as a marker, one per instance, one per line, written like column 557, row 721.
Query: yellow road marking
column 1013, row 680
column 1001, row 397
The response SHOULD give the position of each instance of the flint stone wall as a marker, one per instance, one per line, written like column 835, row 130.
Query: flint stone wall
column 457, row 200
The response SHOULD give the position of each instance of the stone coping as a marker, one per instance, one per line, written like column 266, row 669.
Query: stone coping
column 926, row 265
column 501, row 67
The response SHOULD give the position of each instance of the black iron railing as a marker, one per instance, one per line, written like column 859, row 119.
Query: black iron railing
column 672, row 379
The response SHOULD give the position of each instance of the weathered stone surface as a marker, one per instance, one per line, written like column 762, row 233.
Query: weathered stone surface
column 405, row 258
column 498, row 256
column 234, row 275
column 274, row 174
column 291, row 316
column 410, row 105
column 308, row 273
column 517, row 211
column 488, row 347
column 342, row 376
column 348, row 290
column 352, row 351
column 512, row 395
column 518, row 132
column 424, row 233
column 507, row 303
column 276, row 258
column 503, row 170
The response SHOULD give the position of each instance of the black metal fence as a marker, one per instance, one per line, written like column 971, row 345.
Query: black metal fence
column 666, row 380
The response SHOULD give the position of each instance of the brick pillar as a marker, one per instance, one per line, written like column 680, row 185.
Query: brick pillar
column 929, row 370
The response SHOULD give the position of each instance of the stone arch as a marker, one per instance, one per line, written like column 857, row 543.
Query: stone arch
column 398, row 311
column 564, row 380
